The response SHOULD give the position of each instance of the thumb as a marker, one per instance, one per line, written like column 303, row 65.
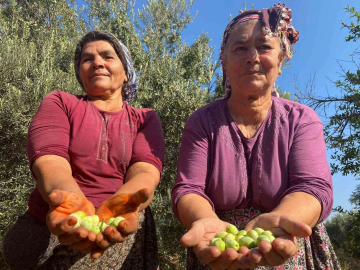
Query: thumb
column 250, row 225
column 295, row 228
column 56, row 197
column 140, row 196
column 193, row 236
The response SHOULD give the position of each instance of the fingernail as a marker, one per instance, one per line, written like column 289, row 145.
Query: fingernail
column 71, row 222
column 80, row 236
column 281, row 247
column 110, row 233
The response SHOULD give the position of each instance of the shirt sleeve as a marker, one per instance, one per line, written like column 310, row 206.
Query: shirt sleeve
column 49, row 131
column 192, row 164
column 149, row 145
column 309, row 170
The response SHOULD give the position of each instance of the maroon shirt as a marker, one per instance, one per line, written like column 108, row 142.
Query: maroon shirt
column 287, row 155
column 100, row 146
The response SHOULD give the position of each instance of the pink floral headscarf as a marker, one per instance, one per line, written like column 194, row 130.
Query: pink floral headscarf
column 276, row 22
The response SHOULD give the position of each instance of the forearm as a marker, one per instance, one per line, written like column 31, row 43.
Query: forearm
column 300, row 206
column 54, row 172
column 141, row 175
column 192, row 207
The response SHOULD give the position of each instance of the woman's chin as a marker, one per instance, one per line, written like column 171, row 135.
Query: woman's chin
column 252, row 87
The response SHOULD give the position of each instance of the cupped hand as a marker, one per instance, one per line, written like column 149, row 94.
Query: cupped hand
column 61, row 205
column 199, row 236
column 285, row 245
column 125, row 205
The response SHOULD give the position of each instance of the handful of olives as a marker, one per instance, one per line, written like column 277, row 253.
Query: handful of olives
column 92, row 223
column 233, row 238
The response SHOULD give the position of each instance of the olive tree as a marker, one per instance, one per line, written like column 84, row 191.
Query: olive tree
column 37, row 41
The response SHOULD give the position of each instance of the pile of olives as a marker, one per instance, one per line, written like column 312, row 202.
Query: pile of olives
column 235, row 239
column 92, row 223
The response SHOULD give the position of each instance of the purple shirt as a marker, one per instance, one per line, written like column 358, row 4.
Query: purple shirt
column 100, row 146
column 287, row 155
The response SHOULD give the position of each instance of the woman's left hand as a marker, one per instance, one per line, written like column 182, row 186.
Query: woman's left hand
column 285, row 245
column 125, row 205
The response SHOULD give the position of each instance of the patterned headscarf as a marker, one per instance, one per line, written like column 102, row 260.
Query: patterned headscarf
column 131, row 74
column 276, row 22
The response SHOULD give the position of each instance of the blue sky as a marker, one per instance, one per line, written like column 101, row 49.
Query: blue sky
column 322, row 42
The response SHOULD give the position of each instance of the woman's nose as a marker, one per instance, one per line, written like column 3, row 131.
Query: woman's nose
column 252, row 56
column 98, row 62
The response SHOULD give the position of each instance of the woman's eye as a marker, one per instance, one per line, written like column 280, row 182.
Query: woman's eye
column 241, row 48
column 265, row 47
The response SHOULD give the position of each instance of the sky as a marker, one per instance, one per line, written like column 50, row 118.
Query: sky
column 321, row 44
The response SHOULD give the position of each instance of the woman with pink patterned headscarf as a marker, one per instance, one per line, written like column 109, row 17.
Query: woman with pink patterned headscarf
column 253, row 159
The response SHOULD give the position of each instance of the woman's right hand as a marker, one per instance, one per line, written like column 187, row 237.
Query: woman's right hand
column 199, row 236
column 61, row 205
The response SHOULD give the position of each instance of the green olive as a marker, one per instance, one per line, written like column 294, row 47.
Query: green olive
column 228, row 237
column 95, row 229
column 117, row 220
column 87, row 223
column 81, row 214
column 238, row 237
column 247, row 242
column 253, row 234
column 110, row 221
column 102, row 226
column 242, row 232
column 221, row 235
column 232, row 244
column 267, row 233
column 78, row 219
column 95, row 218
column 220, row 244
column 262, row 238
column 259, row 230
column 231, row 229
column 271, row 238
column 212, row 241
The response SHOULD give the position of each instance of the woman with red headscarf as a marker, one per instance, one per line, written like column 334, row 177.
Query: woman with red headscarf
column 253, row 159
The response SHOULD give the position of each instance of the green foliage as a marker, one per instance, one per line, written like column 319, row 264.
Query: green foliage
column 344, row 228
column 343, row 137
column 36, row 47
column 354, row 28
column 37, row 43
column 284, row 94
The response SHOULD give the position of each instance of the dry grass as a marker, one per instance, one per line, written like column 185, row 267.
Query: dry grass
column 347, row 262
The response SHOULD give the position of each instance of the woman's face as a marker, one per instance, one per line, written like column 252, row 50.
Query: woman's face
column 252, row 61
column 101, row 70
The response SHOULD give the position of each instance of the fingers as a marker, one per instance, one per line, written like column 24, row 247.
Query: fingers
column 96, row 252
column 130, row 224
column 295, row 228
column 278, row 252
column 58, row 224
column 56, row 197
column 140, row 196
column 193, row 236
column 109, row 237
column 244, row 260
column 76, row 235
column 135, row 199
column 215, row 258
column 272, row 220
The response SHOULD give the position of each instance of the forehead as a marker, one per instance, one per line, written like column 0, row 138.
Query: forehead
column 248, row 31
column 98, row 46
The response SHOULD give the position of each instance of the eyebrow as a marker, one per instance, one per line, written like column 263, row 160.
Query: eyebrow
column 263, row 39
